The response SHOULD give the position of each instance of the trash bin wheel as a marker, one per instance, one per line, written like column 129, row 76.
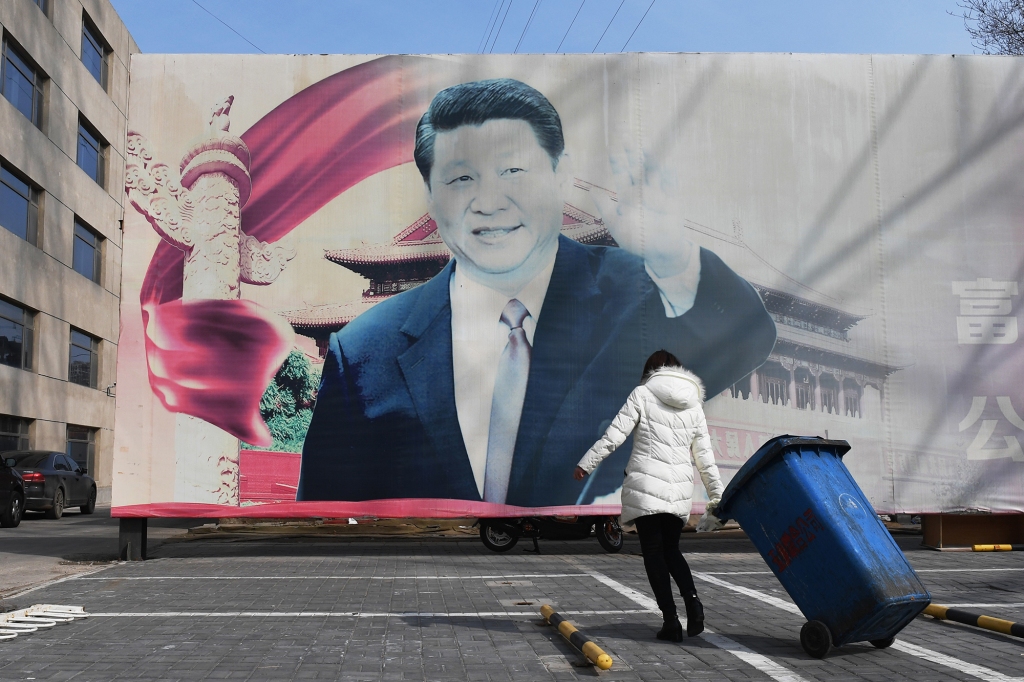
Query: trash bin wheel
column 497, row 537
column 883, row 643
column 816, row 639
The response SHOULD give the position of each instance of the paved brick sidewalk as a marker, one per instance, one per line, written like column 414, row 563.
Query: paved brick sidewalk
column 447, row 609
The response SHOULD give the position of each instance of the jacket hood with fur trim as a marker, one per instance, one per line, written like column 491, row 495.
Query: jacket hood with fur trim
column 676, row 387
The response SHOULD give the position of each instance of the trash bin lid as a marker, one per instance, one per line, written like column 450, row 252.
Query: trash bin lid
column 767, row 454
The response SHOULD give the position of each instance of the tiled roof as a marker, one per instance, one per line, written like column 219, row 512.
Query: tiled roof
column 329, row 315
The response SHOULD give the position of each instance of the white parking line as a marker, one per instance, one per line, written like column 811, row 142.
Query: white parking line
column 339, row 577
column 351, row 614
column 918, row 570
column 985, row 606
column 763, row 663
column 767, row 598
column 978, row 671
column 971, row 669
column 964, row 570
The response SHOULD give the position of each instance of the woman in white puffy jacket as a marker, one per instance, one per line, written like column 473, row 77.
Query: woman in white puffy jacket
column 671, row 434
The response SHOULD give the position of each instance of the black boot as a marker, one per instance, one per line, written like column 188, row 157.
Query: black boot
column 694, row 616
column 672, row 630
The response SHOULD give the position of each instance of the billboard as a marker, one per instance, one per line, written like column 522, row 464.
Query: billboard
column 365, row 285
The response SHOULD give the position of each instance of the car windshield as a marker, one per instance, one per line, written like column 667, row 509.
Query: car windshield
column 28, row 459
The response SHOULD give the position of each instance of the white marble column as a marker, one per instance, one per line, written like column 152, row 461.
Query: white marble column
column 201, row 216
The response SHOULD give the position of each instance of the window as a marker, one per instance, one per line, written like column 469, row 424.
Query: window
column 22, row 84
column 19, row 206
column 13, row 433
column 772, row 382
column 15, row 336
column 94, row 52
column 92, row 152
column 43, row 5
column 87, row 258
column 84, row 364
column 81, row 446
column 804, row 389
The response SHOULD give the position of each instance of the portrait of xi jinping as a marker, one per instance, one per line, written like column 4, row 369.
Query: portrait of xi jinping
column 489, row 381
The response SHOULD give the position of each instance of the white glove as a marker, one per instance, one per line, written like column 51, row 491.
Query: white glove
column 709, row 522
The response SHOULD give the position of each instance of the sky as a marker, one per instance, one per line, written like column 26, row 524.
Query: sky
column 505, row 26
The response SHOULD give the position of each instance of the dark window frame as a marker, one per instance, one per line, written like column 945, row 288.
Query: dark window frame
column 34, row 75
column 27, row 325
column 43, row 5
column 88, row 135
column 85, row 437
column 93, row 40
column 15, row 431
column 75, row 375
column 12, row 180
column 82, row 234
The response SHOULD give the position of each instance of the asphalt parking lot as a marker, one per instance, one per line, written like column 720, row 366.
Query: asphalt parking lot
column 340, row 608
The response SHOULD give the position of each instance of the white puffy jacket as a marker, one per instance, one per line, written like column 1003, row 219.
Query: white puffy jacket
column 671, row 433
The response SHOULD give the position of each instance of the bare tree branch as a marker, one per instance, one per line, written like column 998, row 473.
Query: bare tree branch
column 995, row 26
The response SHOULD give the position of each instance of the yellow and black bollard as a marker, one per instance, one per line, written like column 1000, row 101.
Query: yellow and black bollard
column 592, row 651
column 988, row 622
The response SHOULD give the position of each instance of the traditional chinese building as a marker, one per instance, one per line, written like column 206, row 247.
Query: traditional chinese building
column 813, row 366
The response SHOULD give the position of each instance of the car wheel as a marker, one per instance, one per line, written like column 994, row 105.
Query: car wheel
column 498, row 536
column 11, row 516
column 57, row 510
column 90, row 506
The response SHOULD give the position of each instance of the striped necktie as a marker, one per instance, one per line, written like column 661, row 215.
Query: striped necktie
column 507, row 403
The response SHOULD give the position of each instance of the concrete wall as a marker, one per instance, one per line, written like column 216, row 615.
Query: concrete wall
column 40, row 277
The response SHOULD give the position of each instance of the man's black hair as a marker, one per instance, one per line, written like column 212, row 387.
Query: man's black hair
column 480, row 101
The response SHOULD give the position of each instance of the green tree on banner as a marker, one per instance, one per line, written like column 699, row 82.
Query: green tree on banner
column 287, row 404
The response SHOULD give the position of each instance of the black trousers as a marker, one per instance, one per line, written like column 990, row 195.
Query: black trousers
column 659, row 541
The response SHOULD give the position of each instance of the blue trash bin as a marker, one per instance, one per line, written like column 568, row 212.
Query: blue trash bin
column 799, row 505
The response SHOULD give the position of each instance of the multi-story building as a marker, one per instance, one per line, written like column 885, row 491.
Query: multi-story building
column 63, row 116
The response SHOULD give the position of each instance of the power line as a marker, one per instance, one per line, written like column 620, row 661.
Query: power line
column 527, row 27
column 498, row 34
column 494, row 24
column 228, row 26
column 607, row 27
column 638, row 25
column 570, row 27
column 490, row 24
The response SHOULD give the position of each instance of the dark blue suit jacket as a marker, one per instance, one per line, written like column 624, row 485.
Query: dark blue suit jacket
column 385, row 424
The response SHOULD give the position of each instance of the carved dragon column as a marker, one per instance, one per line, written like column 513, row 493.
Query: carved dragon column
column 201, row 215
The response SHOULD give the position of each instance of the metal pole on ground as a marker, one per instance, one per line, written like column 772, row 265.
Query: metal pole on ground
column 977, row 620
column 584, row 644
column 131, row 539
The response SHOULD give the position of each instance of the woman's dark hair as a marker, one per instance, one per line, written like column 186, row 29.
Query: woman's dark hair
column 659, row 359
column 481, row 101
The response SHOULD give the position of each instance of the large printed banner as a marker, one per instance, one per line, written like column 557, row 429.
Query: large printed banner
column 424, row 285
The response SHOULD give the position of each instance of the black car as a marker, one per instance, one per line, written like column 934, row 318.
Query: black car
column 12, row 493
column 54, row 482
